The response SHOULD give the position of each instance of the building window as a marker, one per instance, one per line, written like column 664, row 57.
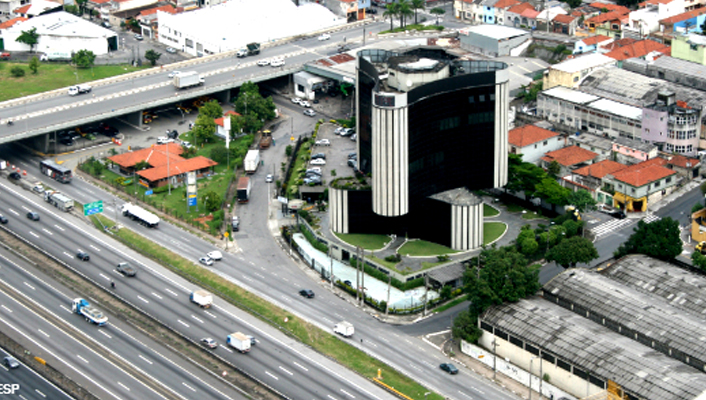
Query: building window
column 471, row 99
column 668, row 180
column 449, row 123
column 481, row 98
column 545, row 143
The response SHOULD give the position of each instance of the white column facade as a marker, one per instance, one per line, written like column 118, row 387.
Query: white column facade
column 338, row 210
column 466, row 226
column 501, row 149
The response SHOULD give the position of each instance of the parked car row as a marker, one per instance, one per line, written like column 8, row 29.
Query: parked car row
column 275, row 62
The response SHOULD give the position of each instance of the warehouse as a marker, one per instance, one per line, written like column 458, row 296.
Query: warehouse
column 494, row 40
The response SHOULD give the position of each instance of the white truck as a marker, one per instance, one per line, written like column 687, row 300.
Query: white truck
column 59, row 200
column 201, row 297
column 239, row 341
column 91, row 314
column 141, row 215
column 252, row 161
column 188, row 79
column 79, row 89
column 344, row 328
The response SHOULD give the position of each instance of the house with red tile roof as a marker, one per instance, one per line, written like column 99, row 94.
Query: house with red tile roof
column 591, row 44
column 608, row 24
column 220, row 124
column 533, row 142
column 37, row 7
column 686, row 22
column 610, row 7
column 636, row 186
column 149, row 21
column 591, row 177
column 522, row 14
column 639, row 49
column 565, row 24
column 11, row 22
column 165, row 164
column 569, row 158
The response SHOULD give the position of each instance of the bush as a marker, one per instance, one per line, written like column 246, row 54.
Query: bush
column 394, row 258
column 17, row 72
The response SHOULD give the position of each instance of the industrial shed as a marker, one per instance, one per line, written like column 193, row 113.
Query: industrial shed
column 493, row 40
column 569, row 346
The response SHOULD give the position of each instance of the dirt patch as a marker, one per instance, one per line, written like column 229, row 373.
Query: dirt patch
column 204, row 220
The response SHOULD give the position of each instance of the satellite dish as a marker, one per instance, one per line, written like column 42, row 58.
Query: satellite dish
column 409, row 83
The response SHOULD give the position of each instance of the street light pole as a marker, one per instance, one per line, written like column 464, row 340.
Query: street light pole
column 530, row 377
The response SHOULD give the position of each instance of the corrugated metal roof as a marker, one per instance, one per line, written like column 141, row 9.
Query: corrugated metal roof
column 598, row 350
column 574, row 96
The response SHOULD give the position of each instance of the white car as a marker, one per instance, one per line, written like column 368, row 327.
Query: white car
column 323, row 142
column 186, row 144
column 305, row 103
column 277, row 62
column 263, row 63
column 324, row 36
column 174, row 73
column 215, row 255
column 310, row 112
column 164, row 140
column 317, row 161
column 270, row 178
column 315, row 169
column 296, row 100
column 207, row 261
column 339, row 130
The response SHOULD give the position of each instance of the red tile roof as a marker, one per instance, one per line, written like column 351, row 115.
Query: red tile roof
column 177, row 168
column 530, row 13
column 11, row 22
column 156, row 156
column 595, row 40
column 682, row 161
column 519, row 8
column 568, row 156
column 529, row 134
column 605, row 17
column 600, row 169
column 682, row 17
column 563, row 19
column 610, row 7
column 506, row 3
column 168, row 8
column 219, row 121
column 619, row 43
column 655, row 2
column 22, row 10
column 637, row 49
column 643, row 173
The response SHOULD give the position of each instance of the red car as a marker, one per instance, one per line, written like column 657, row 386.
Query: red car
column 4, row 56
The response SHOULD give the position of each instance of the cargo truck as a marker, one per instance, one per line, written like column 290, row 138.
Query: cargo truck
column 79, row 89
column 141, row 215
column 344, row 328
column 91, row 314
column 239, row 341
column 243, row 190
column 266, row 140
column 201, row 297
column 252, row 49
column 188, row 79
column 59, row 200
column 252, row 161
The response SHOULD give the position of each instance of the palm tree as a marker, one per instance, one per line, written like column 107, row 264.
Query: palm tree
column 437, row 11
column 391, row 11
column 417, row 5
column 405, row 10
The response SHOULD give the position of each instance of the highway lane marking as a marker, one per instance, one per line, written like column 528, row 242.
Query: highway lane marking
column 95, row 248
column 347, row 394
column 14, row 212
column 43, row 333
column 143, row 299
column 331, row 397
column 82, row 359
column 261, row 277
column 252, row 263
column 28, row 285
column 183, row 323
column 209, row 314
column 465, row 395
column 58, row 227
column 68, row 255
column 274, row 274
column 285, row 279
column 407, row 340
column 272, row 375
column 47, row 231
column 371, row 343
column 145, row 359
column 171, row 292
column 478, row 390
column 25, row 207
column 156, row 295
column 247, row 278
column 415, row 367
column 300, row 366
column 184, row 383
column 194, row 317
column 34, row 234
column 286, row 298
column 338, row 315
column 384, row 340
column 127, row 388
column 40, row 393
column 285, row 370
column 227, row 349
column 327, row 320
column 104, row 276
column 108, row 336
column 65, row 308
column 5, row 307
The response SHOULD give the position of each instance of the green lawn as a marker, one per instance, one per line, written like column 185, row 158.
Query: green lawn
column 368, row 242
column 513, row 208
column 492, row 231
column 489, row 211
column 51, row 77
column 300, row 165
column 532, row 215
column 460, row 299
column 388, row 264
column 424, row 248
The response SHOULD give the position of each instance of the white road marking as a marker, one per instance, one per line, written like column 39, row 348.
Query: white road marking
column 109, row 337
column 29, row 286
column 65, row 308
column 348, row 394
column 327, row 320
column 143, row 299
column 127, row 388
column 145, row 359
column 43, row 333
column 384, row 340
column 104, row 276
column 227, row 349
column 478, row 390
column 95, row 248
column 68, row 255
column 59, row 228
column 194, row 317
column 247, row 278
column 415, row 367
column 40, row 393
column 260, row 276
column 300, row 366
column 170, row 292
column 183, row 323
column 209, row 314
column 285, row 370
column 331, row 397
column 34, row 234
column 285, row 279
column 5, row 307
column 156, row 295
column 272, row 375
column 47, row 231
column 14, row 212
column 465, row 395
column 184, row 383
column 82, row 359
column 287, row 299
column 371, row 343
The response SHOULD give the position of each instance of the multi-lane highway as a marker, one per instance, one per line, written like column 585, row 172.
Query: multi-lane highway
column 32, row 386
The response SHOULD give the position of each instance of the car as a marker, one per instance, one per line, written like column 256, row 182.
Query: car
column 3, row 219
column 310, row 112
column 107, row 130
column 66, row 141
column 83, row 256
column 317, row 161
column 323, row 142
column 343, row 48
column 308, row 293
column 263, row 63
column 33, row 216
column 38, row 187
column 138, row 36
column 126, row 269
column 164, row 140
column 315, row 101
column 277, row 62
column 318, row 155
column 313, row 181
column 235, row 224
column 354, row 137
column 296, row 100
column 347, row 282
column 450, row 368
column 353, row 156
column 314, row 169
column 339, row 130
column 347, row 132
column 174, row 73
column 15, row 176
column 11, row 362
column 269, row 178
column 106, row 24
column 208, row 342
column 619, row 214
column 186, row 144
column 324, row 36
column 371, row 10
column 353, row 164
column 171, row 50
column 305, row 103
column 253, row 341
column 207, row 261
column 215, row 255
column 312, row 175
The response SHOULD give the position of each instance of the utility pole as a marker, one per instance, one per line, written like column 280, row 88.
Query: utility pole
column 389, row 283
column 495, row 357
column 357, row 272
column 426, row 293
column 362, row 278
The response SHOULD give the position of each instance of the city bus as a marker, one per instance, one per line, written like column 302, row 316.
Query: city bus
column 55, row 171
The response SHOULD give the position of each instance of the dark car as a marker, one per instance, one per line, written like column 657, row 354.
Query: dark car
column 318, row 155
column 450, row 368
column 66, row 141
column 348, row 283
column 10, row 362
column 371, row 10
column 107, row 130
column 125, row 269
column 352, row 156
column 3, row 219
column 173, row 134
column 353, row 163
column 33, row 216
column 105, row 24
column 307, row 293
column 619, row 214
column 15, row 176
column 83, row 256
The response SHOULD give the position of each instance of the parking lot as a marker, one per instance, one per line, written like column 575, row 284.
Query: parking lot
column 336, row 153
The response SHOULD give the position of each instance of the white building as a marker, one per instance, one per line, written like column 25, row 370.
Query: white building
column 233, row 24
column 533, row 142
column 644, row 21
column 61, row 33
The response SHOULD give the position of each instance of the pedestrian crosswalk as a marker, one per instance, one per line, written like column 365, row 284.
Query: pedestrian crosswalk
column 617, row 224
column 649, row 217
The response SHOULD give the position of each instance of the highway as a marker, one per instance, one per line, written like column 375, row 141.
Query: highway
column 32, row 386
column 68, row 340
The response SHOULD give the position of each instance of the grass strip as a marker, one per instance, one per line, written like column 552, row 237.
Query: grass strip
column 451, row 303
column 322, row 341
column 492, row 231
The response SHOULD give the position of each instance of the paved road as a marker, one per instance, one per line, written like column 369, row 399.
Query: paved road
column 32, row 386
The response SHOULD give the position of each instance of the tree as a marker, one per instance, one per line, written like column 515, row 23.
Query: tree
column 219, row 154
column 253, row 107
column 417, row 5
column 529, row 246
column 572, row 251
column 212, row 201
column 582, row 200
column 554, row 169
column 523, row 176
column 204, row 130
column 659, row 239
column 699, row 260
column 437, row 11
column 703, row 185
column 697, row 207
column 34, row 64
column 391, row 11
column 83, row 58
column 465, row 327
column 72, row 9
column 211, row 109
column 17, row 71
column 551, row 191
column 189, row 152
column 30, row 38
column 152, row 56
column 140, row 165
column 404, row 11
column 573, row 3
